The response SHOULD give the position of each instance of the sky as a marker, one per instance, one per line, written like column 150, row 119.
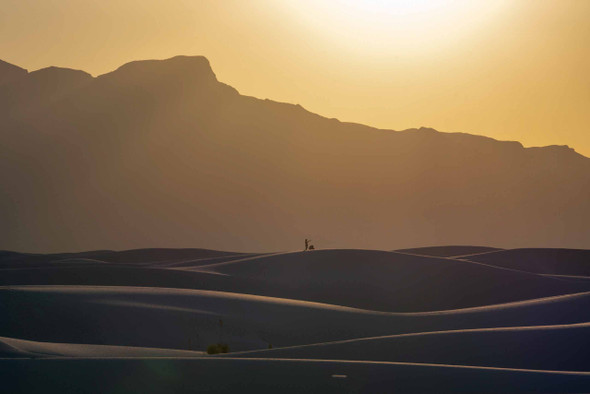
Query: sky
column 508, row 69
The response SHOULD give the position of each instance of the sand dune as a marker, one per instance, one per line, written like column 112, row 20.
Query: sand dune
column 448, row 251
column 375, row 280
column 12, row 347
column 213, row 375
column 386, row 320
column 173, row 318
column 137, row 316
column 543, row 261
column 389, row 281
column 558, row 347
column 150, row 257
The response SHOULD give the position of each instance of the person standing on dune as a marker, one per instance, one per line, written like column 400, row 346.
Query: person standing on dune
column 307, row 241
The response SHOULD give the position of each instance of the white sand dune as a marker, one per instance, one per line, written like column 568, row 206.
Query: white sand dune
column 569, row 277
column 12, row 347
column 389, row 281
column 385, row 320
column 139, row 257
column 558, row 262
column 188, row 319
column 170, row 318
column 233, row 375
column 376, row 280
column 551, row 347
column 449, row 251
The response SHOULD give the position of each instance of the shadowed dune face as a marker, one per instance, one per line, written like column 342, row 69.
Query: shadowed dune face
column 290, row 376
column 374, row 280
column 18, row 348
column 542, row 261
column 448, row 251
column 188, row 319
column 325, row 307
column 544, row 348
column 390, row 281
column 161, row 152
column 149, row 257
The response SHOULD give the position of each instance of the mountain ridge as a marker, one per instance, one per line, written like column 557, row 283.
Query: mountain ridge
column 160, row 152
column 202, row 63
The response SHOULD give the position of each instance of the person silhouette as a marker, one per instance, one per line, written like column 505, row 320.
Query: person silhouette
column 307, row 241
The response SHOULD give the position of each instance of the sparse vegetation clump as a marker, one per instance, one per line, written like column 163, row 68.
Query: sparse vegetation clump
column 217, row 348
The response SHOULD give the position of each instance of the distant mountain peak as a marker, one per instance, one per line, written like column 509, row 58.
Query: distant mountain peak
column 53, row 71
column 10, row 72
column 161, row 151
column 428, row 130
column 186, row 66
column 559, row 151
column 560, row 148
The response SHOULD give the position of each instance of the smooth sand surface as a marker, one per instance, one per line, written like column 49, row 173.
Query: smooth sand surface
column 189, row 319
column 557, row 347
column 214, row 375
column 390, row 281
column 21, row 348
column 567, row 262
column 375, row 280
column 337, row 321
column 448, row 251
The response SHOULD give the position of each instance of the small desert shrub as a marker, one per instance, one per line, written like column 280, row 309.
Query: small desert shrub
column 217, row 348
column 212, row 349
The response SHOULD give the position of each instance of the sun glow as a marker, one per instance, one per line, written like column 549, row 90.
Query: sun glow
column 380, row 26
column 397, row 7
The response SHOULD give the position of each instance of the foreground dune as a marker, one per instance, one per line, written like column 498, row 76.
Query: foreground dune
column 558, row 347
column 274, row 375
column 189, row 319
column 388, row 321
column 18, row 348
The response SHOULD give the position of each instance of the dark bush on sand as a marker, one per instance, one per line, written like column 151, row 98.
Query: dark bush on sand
column 217, row 348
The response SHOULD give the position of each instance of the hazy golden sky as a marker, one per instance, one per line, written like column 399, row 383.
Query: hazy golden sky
column 509, row 69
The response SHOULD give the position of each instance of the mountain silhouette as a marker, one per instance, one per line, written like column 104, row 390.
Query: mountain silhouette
column 160, row 153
